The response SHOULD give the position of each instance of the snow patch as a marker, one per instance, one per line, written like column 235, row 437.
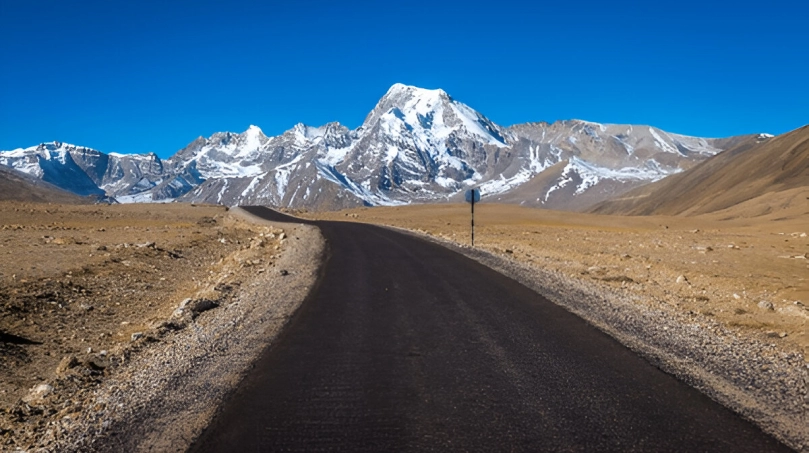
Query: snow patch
column 143, row 197
column 663, row 144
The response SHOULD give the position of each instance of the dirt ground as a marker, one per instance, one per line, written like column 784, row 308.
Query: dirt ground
column 750, row 273
column 83, row 287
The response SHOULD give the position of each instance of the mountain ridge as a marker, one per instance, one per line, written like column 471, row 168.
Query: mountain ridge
column 769, row 165
column 416, row 145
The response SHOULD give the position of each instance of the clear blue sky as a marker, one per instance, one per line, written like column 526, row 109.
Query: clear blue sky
column 139, row 76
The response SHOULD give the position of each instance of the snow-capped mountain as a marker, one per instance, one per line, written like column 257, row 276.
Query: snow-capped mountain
column 572, row 164
column 416, row 145
column 54, row 163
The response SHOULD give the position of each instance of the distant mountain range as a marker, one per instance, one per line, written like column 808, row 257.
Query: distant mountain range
column 415, row 146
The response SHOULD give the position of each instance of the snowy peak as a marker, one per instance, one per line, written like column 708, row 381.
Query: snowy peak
column 432, row 115
column 400, row 88
column 304, row 135
column 28, row 160
column 57, row 150
column 53, row 162
column 406, row 98
column 224, row 154
column 399, row 94
column 253, row 130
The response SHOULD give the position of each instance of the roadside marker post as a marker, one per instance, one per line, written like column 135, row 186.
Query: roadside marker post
column 472, row 197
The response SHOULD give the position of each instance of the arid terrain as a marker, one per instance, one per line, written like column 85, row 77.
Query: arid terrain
column 87, row 289
column 97, row 302
column 750, row 273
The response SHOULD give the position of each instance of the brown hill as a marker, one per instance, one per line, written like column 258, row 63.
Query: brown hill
column 18, row 186
column 773, row 170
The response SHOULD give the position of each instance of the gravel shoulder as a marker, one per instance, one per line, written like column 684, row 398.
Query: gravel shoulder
column 157, row 390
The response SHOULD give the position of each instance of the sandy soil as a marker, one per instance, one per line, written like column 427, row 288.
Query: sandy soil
column 87, row 292
column 749, row 273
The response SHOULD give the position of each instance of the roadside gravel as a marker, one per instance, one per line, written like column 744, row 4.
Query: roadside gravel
column 161, row 393
column 757, row 379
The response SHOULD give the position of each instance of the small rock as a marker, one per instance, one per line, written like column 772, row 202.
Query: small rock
column 66, row 364
column 222, row 287
column 283, row 272
column 199, row 305
column 169, row 326
column 736, row 296
column 782, row 335
column 136, row 336
column 682, row 279
column 150, row 245
column 509, row 251
column 96, row 363
column 38, row 392
column 766, row 305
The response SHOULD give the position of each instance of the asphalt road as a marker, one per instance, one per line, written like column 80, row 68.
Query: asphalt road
column 407, row 346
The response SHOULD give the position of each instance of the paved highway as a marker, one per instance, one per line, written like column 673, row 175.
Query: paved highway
column 408, row 346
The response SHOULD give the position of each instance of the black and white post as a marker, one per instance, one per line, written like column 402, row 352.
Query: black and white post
column 472, row 197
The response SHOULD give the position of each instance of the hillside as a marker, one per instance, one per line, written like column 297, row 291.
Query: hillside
column 18, row 186
column 773, row 168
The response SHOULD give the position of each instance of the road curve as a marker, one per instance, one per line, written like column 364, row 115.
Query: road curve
column 408, row 346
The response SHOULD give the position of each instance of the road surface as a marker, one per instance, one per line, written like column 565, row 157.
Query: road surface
column 408, row 346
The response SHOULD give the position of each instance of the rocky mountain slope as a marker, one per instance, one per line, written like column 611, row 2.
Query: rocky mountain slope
column 18, row 186
column 416, row 145
column 774, row 169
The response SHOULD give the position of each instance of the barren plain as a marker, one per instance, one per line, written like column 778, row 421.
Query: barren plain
column 96, row 304
column 108, row 313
